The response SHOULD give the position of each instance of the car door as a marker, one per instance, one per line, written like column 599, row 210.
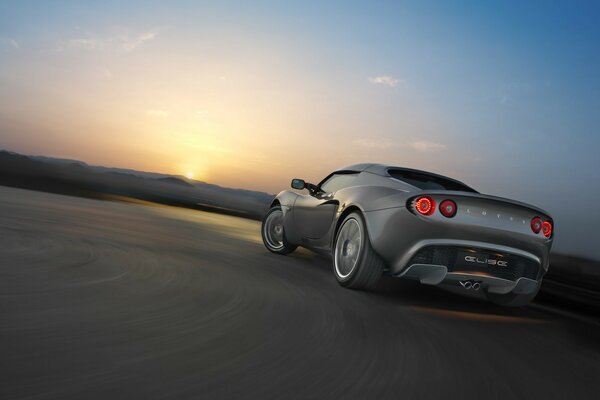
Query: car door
column 313, row 214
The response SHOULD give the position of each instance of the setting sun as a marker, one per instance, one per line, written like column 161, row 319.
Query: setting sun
column 190, row 175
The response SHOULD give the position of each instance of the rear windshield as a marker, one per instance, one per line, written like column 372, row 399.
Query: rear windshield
column 427, row 181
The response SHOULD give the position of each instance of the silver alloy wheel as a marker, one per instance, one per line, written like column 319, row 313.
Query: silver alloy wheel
column 348, row 247
column 273, row 230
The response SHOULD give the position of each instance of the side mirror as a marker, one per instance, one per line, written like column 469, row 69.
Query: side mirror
column 298, row 184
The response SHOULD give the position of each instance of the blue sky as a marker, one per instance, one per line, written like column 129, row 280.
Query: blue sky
column 502, row 95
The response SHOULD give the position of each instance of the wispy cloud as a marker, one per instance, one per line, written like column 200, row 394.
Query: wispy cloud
column 130, row 44
column 86, row 43
column 122, row 42
column 10, row 42
column 427, row 146
column 385, row 80
column 157, row 113
column 374, row 143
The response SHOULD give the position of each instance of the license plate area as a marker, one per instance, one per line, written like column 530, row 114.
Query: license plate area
column 481, row 261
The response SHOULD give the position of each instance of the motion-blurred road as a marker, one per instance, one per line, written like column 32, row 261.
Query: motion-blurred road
column 114, row 300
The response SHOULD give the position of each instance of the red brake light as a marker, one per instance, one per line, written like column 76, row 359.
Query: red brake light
column 425, row 205
column 536, row 225
column 547, row 228
column 448, row 208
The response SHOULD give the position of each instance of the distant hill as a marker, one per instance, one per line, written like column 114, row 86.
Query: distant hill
column 98, row 168
column 175, row 181
column 77, row 178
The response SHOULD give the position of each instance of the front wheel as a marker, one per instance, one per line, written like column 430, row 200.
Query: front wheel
column 355, row 263
column 272, row 232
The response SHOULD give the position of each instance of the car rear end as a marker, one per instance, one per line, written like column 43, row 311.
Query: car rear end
column 473, row 240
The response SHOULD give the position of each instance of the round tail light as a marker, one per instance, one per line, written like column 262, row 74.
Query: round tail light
column 547, row 228
column 425, row 205
column 448, row 208
column 536, row 225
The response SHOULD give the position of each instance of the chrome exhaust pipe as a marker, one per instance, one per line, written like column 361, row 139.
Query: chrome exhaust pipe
column 468, row 285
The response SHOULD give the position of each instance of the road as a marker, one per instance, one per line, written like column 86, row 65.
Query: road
column 113, row 300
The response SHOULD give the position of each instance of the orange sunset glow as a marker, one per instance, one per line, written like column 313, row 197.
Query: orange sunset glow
column 236, row 108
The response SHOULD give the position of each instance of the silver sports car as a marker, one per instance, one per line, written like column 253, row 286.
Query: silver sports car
column 375, row 219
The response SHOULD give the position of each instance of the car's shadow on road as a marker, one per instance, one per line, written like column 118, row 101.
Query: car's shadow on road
column 444, row 301
column 412, row 293
column 437, row 302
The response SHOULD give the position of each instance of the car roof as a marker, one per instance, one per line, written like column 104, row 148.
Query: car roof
column 374, row 168
column 382, row 170
column 359, row 167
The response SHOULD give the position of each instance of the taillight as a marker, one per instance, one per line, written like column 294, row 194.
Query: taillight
column 547, row 228
column 425, row 205
column 536, row 225
column 448, row 208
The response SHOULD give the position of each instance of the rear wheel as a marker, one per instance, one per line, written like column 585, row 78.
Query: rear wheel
column 513, row 299
column 355, row 263
column 273, row 234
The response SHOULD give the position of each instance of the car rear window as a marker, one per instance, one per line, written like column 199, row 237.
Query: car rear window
column 425, row 181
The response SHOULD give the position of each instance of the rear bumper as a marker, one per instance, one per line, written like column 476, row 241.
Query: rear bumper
column 400, row 237
column 429, row 274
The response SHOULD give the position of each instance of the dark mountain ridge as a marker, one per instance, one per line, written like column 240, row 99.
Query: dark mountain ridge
column 74, row 177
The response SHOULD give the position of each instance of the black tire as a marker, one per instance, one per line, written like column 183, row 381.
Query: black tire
column 273, row 234
column 513, row 299
column 367, row 268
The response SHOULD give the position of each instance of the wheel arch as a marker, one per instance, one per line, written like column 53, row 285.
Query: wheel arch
column 348, row 210
column 275, row 202
column 286, row 200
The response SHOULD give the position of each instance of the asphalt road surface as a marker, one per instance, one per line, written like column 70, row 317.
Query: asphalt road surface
column 113, row 300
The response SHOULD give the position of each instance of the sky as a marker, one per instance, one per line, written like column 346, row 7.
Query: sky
column 504, row 96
